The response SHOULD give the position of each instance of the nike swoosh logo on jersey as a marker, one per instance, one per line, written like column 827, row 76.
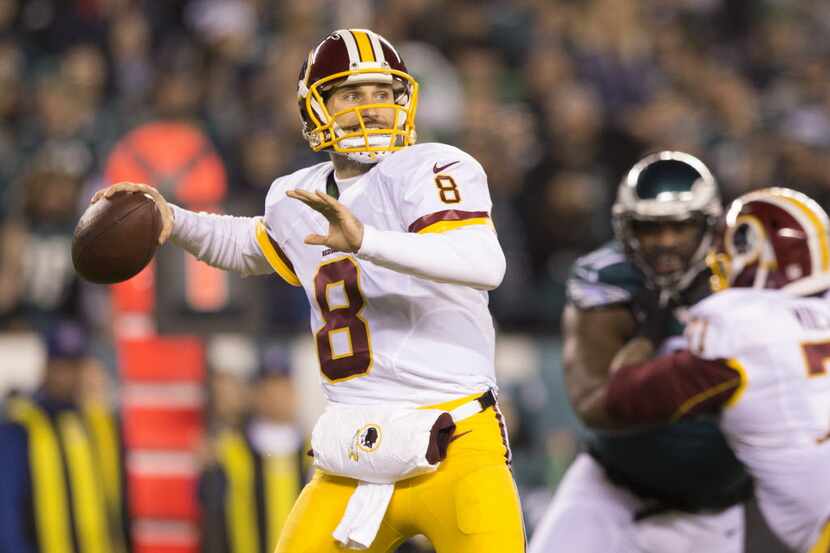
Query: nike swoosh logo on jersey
column 436, row 169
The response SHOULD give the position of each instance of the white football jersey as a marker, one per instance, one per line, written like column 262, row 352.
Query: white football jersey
column 778, row 420
column 382, row 335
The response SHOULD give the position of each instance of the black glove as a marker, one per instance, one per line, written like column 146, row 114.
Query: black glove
column 654, row 315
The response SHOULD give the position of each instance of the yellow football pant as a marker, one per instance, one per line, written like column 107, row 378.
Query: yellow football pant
column 823, row 544
column 469, row 505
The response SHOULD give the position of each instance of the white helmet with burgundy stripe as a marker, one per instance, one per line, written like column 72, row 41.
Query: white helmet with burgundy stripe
column 347, row 57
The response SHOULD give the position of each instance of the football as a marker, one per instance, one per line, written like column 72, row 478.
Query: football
column 116, row 237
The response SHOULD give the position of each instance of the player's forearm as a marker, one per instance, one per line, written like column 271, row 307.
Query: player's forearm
column 591, row 405
column 470, row 257
column 590, row 409
column 669, row 387
column 222, row 241
column 594, row 338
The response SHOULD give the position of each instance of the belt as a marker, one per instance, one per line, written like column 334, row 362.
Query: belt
column 474, row 407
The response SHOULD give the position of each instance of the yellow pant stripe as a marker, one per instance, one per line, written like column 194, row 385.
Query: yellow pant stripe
column 823, row 543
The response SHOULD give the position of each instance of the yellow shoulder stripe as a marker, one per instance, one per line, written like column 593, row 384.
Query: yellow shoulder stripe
column 444, row 226
column 273, row 257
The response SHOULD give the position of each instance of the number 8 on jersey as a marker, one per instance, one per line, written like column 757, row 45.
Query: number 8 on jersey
column 343, row 342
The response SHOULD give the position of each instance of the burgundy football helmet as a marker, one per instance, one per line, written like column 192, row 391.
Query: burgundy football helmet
column 356, row 56
column 774, row 238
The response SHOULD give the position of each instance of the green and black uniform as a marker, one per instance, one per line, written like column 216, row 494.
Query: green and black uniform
column 686, row 465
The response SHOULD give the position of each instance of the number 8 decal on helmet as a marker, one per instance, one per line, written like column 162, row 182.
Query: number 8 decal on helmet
column 343, row 343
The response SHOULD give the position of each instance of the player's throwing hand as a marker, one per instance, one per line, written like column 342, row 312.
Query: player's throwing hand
column 345, row 230
column 161, row 203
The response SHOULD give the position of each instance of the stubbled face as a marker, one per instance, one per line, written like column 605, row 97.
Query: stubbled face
column 668, row 247
column 353, row 96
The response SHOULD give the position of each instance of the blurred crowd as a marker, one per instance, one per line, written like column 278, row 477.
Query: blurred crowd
column 556, row 98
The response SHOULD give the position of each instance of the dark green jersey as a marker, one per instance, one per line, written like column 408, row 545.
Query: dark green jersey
column 684, row 465
column 604, row 278
column 607, row 278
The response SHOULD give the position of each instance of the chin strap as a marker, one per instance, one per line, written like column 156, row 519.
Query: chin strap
column 366, row 158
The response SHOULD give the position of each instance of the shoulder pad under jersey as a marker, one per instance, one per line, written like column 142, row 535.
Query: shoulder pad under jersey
column 603, row 278
column 737, row 320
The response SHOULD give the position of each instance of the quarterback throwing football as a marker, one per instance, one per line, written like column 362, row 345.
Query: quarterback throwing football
column 396, row 255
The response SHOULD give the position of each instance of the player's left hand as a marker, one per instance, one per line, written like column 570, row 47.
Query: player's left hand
column 345, row 230
column 654, row 314
column 637, row 350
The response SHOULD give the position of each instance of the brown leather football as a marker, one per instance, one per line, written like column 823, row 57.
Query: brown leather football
column 116, row 237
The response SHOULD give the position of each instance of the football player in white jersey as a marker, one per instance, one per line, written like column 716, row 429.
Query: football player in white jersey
column 396, row 251
column 624, row 297
column 758, row 357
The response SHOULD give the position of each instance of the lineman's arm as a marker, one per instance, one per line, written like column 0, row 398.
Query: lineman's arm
column 670, row 387
column 596, row 340
column 222, row 241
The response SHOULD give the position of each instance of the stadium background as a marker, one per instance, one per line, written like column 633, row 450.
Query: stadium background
column 555, row 98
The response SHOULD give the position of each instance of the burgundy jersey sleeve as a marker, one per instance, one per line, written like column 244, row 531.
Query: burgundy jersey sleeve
column 670, row 387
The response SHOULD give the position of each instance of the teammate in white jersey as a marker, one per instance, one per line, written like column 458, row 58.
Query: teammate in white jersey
column 396, row 256
column 759, row 357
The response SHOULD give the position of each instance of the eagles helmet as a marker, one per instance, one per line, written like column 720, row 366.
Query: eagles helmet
column 774, row 238
column 668, row 186
column 356, row 56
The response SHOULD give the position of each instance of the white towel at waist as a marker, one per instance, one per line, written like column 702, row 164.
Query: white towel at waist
column 364, row 513
column 379, row 445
